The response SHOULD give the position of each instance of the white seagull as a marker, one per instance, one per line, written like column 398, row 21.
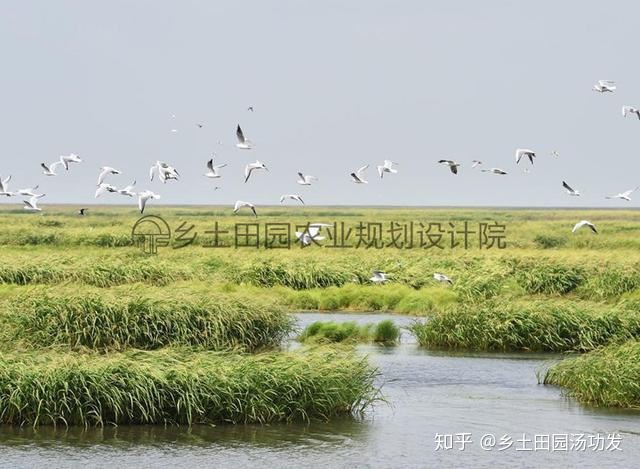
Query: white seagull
column 582, row 223
column 50, row 170
column 243, row 143
column 128, row 191
column 442, row 278
column 103, row 188
column 358, row 176
column 623, row 195
column 29, row 191
column 305, row 179
column 494, row 171
column 240, row 204
column 4, row 186
column 292, row 197
column 104, row 171
column 520, row 152
column 213, row 169
column 605, row 86
column 475, row 163
column 164, row 170
column 378, row 277
column 310, row 234
column 555, row 154
column 70, row 158
column 32, row 203
column 143, row 197
column 251, row 166
column 453, row 166
column 387, row 167
column 570, row 191
column 627, row 110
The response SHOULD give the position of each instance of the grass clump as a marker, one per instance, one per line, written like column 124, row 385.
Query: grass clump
column 136, row 322
column 550, row 279
column 537, row 326
column 546, row 241
column 174, row 386
column 608, row 377
column 350, row 332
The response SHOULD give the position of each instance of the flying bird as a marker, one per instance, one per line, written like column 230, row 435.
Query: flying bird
column 305, row 179
column 104, row 171
column 494, row 171
column 50, row 170
column 30, row 191
column 250, row 108
column 144, row 197
column 475, row 163
column 605, row 86
column 555, row 154
column 628, row 110
column 240, row 204
column 623, row 195
column 378, row 277
column 128, row 191
column 82, row 211
column 358, row 176
column 164, row 170
column 292, row 197
column 199, row 125
column 4, row 186
column 520, row 152
column 570, row 191
column 243, row 143
column 310, row 234
column 70, row 158
column 213, row 169
column 103, row 188
column 387, row 167
column 442, row 278
column 453, row 166
column 582, row 223
column 251, row 167
column 32, row 203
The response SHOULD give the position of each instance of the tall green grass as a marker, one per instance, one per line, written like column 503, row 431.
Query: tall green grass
column 384, row 332
column 109, row 323
column 608, row 377
column 172, row 386
column 536, row 326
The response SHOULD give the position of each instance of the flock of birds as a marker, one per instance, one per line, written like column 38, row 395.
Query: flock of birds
column 165, row 172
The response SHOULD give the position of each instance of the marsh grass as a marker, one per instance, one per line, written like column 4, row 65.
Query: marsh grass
column 325, row 332
column 110, row 323
column 536, row 326
column 607, row 377
column 179, row 386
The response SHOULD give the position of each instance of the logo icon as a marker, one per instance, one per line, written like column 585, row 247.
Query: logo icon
column 151, row 232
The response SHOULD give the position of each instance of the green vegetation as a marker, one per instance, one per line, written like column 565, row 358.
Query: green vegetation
column 541, row 326
column 385, row 332
column 136, row 322
column 175, row 386
column 608, row 377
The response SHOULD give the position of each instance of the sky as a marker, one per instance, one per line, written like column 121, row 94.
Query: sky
column 335, row 85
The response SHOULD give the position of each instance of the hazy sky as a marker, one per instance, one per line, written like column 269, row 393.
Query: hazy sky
column 335, row 85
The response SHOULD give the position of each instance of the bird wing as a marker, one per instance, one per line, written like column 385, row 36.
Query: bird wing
column 567, row 187
column 247, row 172
column 45, row 167
column 355, row 177
column 239, row 134
column 142, row 202
column 454, row 169
column 301, row 177
column 381, row 171
column 593, row 227
column 28, row 204
column 210, row 165
column 362, row 169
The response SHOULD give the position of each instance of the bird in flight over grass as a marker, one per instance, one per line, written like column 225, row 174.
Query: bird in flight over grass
column 128, row 191
column 387, row 167
column 520, row 152
column 32, row 203
column 104, row 171
column 4, row 186
column 50, row 169
column 453, row 166
column 358, row 176
column 253, row 166
column 292, row 197
column 70, row 158
column 305, row 179
column 213, row 169
column 144, row 197
column 494, row 171
column 379, row 277
column 570, row 191
column 582, row 223
column 82, row 212
column 310, row 234
column 240, row 204
column 623, row 195
column 442, row 278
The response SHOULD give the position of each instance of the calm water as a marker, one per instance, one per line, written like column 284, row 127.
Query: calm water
column 428, row 393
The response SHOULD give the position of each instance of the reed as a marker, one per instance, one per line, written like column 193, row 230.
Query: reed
column 110, row 323
column 325, row 332
column 607, row 377
column 178, row 386
column 549, row 326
